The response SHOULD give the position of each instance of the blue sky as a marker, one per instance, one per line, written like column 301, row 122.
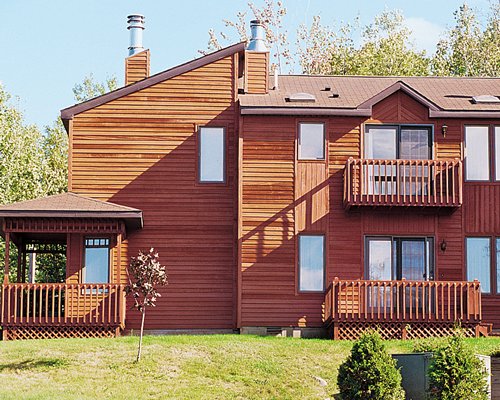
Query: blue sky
column 49, row 46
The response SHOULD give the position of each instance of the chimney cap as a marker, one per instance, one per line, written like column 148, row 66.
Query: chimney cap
column 257, row 37
column 135, row 26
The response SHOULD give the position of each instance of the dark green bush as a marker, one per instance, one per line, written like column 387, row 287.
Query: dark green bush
column 456, row 373
column 370, row 372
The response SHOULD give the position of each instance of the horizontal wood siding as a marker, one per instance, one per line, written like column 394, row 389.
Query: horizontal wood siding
column 256, row 72
column 345, row 234
column 311, row 197
column 137, row 67
column 141, row 151
column 270, row 298
column 269, row 284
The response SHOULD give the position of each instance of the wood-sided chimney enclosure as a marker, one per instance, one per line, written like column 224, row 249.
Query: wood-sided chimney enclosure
column 256, row 72
column 137, row 63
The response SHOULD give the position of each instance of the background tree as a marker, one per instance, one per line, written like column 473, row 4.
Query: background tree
column 467, row 49
column 89, row 88
column 385, row 49
column 272, row 16
column 384, row 46
column 34, row 163
column 145, row 274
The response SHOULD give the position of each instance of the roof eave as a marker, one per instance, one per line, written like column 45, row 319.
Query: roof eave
column 353, row 112
column 135, row 216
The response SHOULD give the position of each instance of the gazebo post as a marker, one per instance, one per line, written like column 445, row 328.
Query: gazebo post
column 119, row 258
column 7, row 255
column 19, row 251
column 23, row 261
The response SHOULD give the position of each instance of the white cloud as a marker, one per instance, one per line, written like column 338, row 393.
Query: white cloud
column 425, row 34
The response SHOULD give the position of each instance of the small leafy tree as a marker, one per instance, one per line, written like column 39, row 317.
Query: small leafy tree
column 370, row 372
column 145, row 274
column 456, row 373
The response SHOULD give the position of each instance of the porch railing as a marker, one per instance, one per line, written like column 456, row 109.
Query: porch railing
column 425, row 183
column 59, row 304
column 402, row 301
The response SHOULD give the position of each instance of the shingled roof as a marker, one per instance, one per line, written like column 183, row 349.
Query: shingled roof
column 72, row 205
column 349, row 95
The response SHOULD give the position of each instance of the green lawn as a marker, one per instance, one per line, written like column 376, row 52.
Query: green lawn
column 179, row 367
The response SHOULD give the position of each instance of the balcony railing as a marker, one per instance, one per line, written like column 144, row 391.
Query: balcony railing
column 59, row 304
column 403, row 301
column 424, row 183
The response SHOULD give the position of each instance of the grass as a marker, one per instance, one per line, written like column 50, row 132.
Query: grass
column 180, row 367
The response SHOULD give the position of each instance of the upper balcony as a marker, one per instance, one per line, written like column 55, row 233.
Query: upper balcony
column 408, row 183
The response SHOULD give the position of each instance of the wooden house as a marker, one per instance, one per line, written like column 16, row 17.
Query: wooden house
column 330, row 203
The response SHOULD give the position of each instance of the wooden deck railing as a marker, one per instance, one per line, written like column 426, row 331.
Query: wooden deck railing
column 59, row 304
column 402, row 301
column 424, row 183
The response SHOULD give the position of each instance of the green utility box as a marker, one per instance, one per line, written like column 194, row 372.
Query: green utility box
column 414, row 367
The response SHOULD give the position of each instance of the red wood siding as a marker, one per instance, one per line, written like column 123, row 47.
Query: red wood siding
column 256, row 72
column 137, row 67
column 141, row 151
column 269, row 268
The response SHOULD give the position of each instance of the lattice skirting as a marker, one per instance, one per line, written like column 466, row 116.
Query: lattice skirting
column 57, row 332
column 399, row 330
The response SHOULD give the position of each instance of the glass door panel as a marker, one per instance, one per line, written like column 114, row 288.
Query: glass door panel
column 380, row 144
column 415, row 144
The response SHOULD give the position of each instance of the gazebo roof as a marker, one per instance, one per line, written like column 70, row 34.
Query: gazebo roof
column 72, row 205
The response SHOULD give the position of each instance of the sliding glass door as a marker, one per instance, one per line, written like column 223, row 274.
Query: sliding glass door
column 396, row 258
column 387, row 142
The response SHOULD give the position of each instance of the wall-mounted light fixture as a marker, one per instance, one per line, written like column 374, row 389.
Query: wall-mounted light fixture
column 444, row 130
column 443, row 245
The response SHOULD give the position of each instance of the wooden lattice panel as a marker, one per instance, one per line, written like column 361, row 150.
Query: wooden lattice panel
column 400, row 330
column 58, row 332
column 423, row 330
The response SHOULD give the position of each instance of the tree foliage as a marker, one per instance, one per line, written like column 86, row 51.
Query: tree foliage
column 382, row 47
column 89, row 88
column 34, row 163
column 272, row 16
column 369, row 372
column 145, row 274
column 467, row 49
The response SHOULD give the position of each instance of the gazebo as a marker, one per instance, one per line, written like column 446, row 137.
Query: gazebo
column 89, row 234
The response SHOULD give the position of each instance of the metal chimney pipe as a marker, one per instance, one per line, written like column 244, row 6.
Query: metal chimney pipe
column 135, row 26
column 257, row 37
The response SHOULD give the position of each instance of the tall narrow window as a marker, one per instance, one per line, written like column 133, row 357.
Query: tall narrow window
column 96, row 260
column 212, row 155
column 311, row 263
column 380, row 259
column 497, row 153
column 477, row 157
column 478, row 261
column 311, row 141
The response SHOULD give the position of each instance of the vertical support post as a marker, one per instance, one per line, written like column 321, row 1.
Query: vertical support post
column 19, row 269
column 23, row 261
column 335, row 331
column 7, row 255
column 119, row 258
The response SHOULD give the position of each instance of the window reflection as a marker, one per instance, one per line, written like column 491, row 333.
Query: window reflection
column 311, row 262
